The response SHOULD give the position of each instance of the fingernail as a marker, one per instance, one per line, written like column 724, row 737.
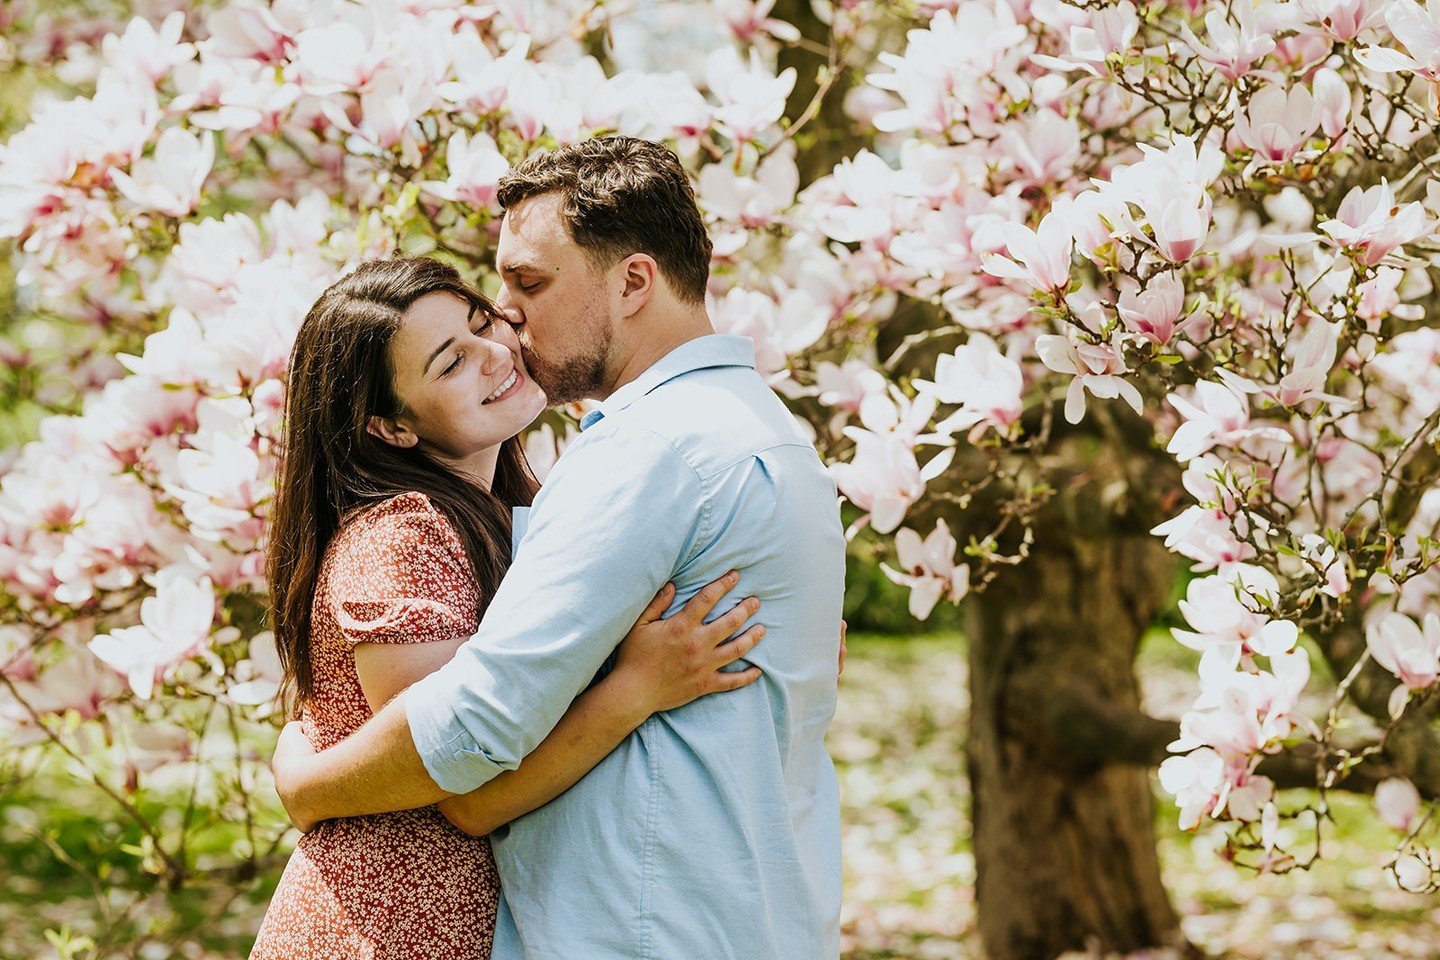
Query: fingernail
column 733, row 575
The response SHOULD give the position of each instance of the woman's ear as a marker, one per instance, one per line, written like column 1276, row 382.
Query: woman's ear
column 391, row 432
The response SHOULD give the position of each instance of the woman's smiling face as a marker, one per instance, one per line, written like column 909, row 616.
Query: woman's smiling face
column 458, row 374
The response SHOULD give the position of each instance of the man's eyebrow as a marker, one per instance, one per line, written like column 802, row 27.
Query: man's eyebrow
column 438, row 350
column 519, row 265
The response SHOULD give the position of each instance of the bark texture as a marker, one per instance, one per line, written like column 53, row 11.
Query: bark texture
column 1064, row 843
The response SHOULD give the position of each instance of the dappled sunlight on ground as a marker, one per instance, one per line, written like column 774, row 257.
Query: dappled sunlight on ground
column 897, row 739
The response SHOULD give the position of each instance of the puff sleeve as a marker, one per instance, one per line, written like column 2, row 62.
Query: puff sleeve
column 401, row 576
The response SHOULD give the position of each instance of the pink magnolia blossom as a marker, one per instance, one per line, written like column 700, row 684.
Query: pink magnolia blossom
column 1415, row 872
column 1203, row 785
column 338, row 56
column 752, row 98
column 939, row 76
column 1204, row 535
column 1217, row 416
column 1039, row 258
column 1343, row 20
column 1370, row 222
column 1333, row 102
column 1380, row 297
column 1277, row 123
column 171, row 182
column 847, row 385
column 262, row 673
column 1227, row 613
column 1111, row 30
column 1043, row 147
column 883, row 477
column 1311, row 362
column 218, row 480
column 246, row 29
column 780, row 329
column 1407, row 650
column 1241, row 713
column 1417, row 29
column 1097, row 368
column 1330, row 564
column 750, row 201
column 174, row 624
column 475, row 167
column 983, row 382
column 481, row 78
column 1397, row 803
column 929, row 569
column 1234, row 47
column 543, row 448
column 749, row 21
column 1180, row 222
column 1171, row 189
column 146, row 51
column 1154, row 310
column 237, row 95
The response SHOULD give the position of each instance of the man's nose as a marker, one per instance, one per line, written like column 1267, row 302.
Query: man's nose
column 511, row 313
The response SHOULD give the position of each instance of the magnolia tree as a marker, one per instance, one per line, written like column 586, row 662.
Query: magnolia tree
column 1066, row 292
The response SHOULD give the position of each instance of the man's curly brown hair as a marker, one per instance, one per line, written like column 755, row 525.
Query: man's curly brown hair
column 622, row 195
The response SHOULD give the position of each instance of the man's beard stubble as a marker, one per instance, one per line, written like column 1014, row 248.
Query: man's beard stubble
column 579, row 377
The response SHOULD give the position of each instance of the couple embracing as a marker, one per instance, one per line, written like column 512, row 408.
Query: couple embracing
column 589, row 727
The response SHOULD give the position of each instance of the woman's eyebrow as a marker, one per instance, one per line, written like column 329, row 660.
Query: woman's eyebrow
column 438, row 350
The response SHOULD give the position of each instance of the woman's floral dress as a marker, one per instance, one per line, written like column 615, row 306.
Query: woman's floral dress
column 395, row 886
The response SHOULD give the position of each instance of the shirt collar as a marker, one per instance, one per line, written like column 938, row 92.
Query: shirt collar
column 715, row 350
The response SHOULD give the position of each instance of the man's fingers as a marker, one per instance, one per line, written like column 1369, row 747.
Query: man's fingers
column 659, row 605
column 703, row 602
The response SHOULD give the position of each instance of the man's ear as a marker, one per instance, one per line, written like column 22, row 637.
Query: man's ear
column 391, row 432
column 640, row 275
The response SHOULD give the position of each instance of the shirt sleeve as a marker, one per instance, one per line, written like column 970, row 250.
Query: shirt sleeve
column 617, row 517
column 403, row 578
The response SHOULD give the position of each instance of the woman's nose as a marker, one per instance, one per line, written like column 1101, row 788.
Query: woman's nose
column 494, row 358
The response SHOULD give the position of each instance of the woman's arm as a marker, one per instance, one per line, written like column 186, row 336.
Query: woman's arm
column 660, row 665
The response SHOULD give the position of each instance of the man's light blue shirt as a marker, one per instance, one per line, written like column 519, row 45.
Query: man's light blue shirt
column 713, row 831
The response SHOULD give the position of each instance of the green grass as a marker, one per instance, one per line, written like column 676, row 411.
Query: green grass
column 898, row 740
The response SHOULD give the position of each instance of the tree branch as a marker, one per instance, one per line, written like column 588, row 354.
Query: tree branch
column 1100, row 731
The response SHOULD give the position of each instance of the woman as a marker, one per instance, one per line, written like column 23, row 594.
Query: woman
column 391, row 526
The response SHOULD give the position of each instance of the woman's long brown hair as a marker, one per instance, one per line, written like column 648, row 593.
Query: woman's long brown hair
column 330, row 466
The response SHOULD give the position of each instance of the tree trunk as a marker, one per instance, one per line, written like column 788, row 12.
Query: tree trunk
column 1064, row 845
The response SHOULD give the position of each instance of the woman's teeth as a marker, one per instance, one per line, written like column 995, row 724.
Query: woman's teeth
column 509, row 382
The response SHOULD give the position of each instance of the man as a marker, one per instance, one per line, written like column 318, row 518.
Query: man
column 713, row 830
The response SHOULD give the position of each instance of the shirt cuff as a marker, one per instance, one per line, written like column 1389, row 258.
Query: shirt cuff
column 446, row 748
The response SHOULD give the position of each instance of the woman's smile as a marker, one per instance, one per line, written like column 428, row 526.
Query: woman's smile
column 507, row 388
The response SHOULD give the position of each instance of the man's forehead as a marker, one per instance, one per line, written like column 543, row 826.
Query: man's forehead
column 533, row 235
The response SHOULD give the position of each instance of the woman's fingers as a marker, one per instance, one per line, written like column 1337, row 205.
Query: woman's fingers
column 659, row 605
column 725, row 626
column 703, row 602
column 741, row 645
column 722, row 681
